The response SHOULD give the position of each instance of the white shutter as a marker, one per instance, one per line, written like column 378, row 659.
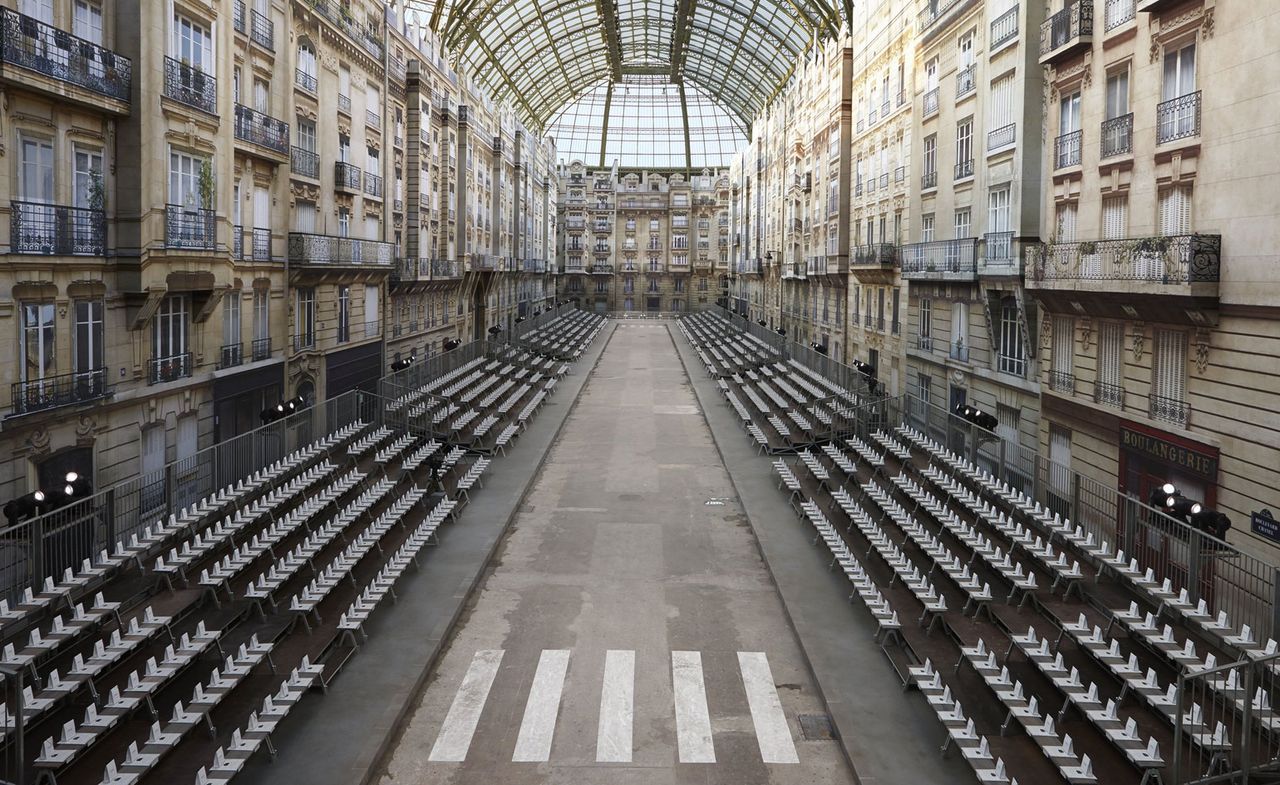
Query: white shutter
column 1170, row 373
column 1067, row 223
column 344, row 82
column 371, row 303
column 1175, row 210
column 1064, row 344
column 1059, row 458
column 1110, row 354
column 187, row 440
column 153, row 449
column 1115, row 217
column 1001, row 102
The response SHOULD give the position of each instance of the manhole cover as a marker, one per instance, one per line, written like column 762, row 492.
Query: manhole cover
column 817, row 727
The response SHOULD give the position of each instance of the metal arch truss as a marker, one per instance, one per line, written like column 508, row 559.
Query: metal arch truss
column 541, row 55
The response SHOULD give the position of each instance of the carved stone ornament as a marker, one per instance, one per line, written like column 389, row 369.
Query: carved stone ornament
column 1202, row 350
column 38, row 441
column 1046, row 332
column 304, row 191
column 85, row 426
column 1086, row 334
column 1139, row 341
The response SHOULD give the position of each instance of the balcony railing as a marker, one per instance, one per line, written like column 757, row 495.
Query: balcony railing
column 344, row 103
column 929, row 180
column 1066, row 30
column 930, row 102
column 372, row 118
column 1004, row 28
column 1108, row 394
column 997, row 255
column 261, row 348
column 1170, row 410
column 190, row 85
column 964, row 169
column 262, row 31
column 238, row 17
column 1117, row 136
column 1176, row 260
column 934, row 10
column 305, row 340
column 168, row 369
column 261, row 245
column 884, row 180
column 50, row 392
column 1062, row 382
column 1178, row 119
column 231, row 355
column 193, row 228
column 940, row 259
column 31, row 44
column 305, row 80
column 56, row 230
column 966, row 81
column 1117, row 13
column 323, row 249
column 346, row 176
column 1066, row 149
column 305, row 163
column 876, row 254
column 900, row 174
column 959, row 351
column 923, row 342
column 373, row 184
column 261, row 129
column 340, row 16
column 1004, row 136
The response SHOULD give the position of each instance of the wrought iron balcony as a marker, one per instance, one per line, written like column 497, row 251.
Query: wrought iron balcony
column 940, row 260
column 50, row 392
column 750, row 267
column 966, row 80
column 1178, row 119
column 875, row 255
column 328, row 250
column 238, row 17
column 601, row 269
column 261, row 129
column 1117, row 136
column 340, row 17
column 964, row 169
column 262, row 31
column 1066, row 32
column 1062, row 382
column 1108, row 394
column 261, row 348
column 56, row 230
column 929, row 180
column 344, row 103
column 47, row 50
column 1170, row 410
column 1146, row 265
column 923, row 342
column 930, row 102
column 999, row 257
column 346, row 176
column 1066, row 149
column 305, row 80
column 189, row 85
column 1004, row 28
column 373, row 185
column 168, row 369
column 1004, row 136
column 231, row 355
column 934, row 10
column 305, row 163
column 192, row 228
column 303, row 341
column 1117, row 13
column 959, row 351
column 372, row 118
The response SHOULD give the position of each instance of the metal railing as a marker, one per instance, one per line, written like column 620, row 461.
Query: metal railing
column 1062, row 382
column 964, row 169
column 168, row 369
column 261, row 348
column 1004, row 136
column 997, row 253
column 929, row 180
column 261, row 245
column 1171, row 410
column 1179, row 259
column 372, row 118
column 1108, row 394
column 305, row 163
column 933, row 10
column 373, row 184
column 340, row 16
column 262, row 31
column 959, row 351
column 231, row 355
column 1117, row 13
column 1066, row 26
column 261, row 129
column 1066, row 149
column 966, row 80
column 34, row 395
column 311, row 249
column 238, row 16
column 1224, row 723
column 1004, row 27
column 346, row 176
column 36, row 46
column 874, row 255
column 1178, row 118
column 189, row 85
column 1117, row 135
column 924, row 343
column 929, row 104
column 192, row 228
column 305, row 80
column 941, row 259
column 56, row 230
column 344, row 103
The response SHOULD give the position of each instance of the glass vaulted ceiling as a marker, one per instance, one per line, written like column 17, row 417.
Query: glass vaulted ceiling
column 543, row 55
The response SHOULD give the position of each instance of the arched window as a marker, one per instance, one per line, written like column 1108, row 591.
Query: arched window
column 307, row 65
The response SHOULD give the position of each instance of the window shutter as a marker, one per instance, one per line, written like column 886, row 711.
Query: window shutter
column 1064, row 344
column 1175, row 211
column 1110, row 348
column 1170, row 365
column 1114, row 217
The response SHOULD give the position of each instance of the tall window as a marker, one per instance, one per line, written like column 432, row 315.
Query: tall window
column 231, row 319
column 306, row 319
column 1169, row 377
column 1115, row 217
column 307, row 62
column 35, row 183
column 184, row 179
column 39, row 354
column 304, row 216
column 372, row 313
column 1175, row 210
column 192, row 44
column 926, row 323
column 170, row 327
column 1013, row 354
column 89, row 335
column 960, row 330
column 261, row 315
column 87, row 21
column 931, row 154
column 344, row 222
column 963, row 223
column 1066, row 221
column 344, row 313
column 1001, row 105
column 1118, row 93
column 1063, row 376
column 926, row 228
column 1110, row 370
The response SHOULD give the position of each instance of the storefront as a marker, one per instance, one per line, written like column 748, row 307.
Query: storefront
column 359, row 366
column 240, row 396
column 1150, row 458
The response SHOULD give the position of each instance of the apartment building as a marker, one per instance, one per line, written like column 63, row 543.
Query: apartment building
column 210, row 212
column 642, row 241
column 975, row 196
column 1159, row 340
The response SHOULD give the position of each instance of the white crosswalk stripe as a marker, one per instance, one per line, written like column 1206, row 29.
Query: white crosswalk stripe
column 615, row 741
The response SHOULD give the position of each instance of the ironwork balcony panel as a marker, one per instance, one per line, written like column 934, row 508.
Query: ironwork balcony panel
column 261, row 349
column 261, row 129
column 1168, row 265
column 959, row 351
column 50, row 392
column 262, row 31
column 329, row 250
column 191, row 228
column 36, row 46
column 1004, row 28
column 1178, row 118
column 1066, row 150
column 1066, row 32
column 1117, row 136
column 1170, row 410
column 929, row 104
column 346, row 176
column 305, row 163
column 1002, row 137
column 191, row 86
column 56, row 230
column 1060, row 381
column 373, row 185
column 1117, row 13
column 964, row 169
column 928, row 180
column 306, row 81
column 231, row 355
column 1108, row 394
column 966, row 80
column 941, row 260
column 168, row 369
column 344, row 103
